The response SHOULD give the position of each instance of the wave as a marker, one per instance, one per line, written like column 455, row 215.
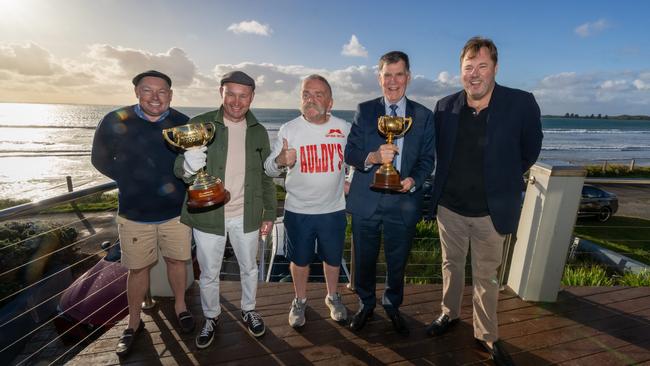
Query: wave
column 49, row 126
column 42, row 153
column 595, row 148
column 601, row 131
column 46, row 143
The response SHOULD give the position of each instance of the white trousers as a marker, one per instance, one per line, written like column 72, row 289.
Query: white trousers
column 209, row 253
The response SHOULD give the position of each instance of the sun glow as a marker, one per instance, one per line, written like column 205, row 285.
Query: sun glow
column 13, row 8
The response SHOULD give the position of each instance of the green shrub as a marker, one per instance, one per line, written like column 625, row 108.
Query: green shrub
column 592, row 275
column 641, row 279
column 617, row 170
column 24, row 242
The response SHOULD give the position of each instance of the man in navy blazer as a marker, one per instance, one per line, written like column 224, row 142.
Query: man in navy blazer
column 487, row 137
column 395, row 213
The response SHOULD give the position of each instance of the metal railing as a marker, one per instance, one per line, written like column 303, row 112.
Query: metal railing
column 268, row 252
column 39, row 294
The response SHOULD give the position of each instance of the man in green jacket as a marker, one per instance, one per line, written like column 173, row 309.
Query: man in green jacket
column 237, row 154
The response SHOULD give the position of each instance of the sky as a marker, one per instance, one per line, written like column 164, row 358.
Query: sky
column 574, row 56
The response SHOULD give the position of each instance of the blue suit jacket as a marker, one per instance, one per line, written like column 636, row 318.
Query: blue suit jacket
column 417, row 158
column 514, row 140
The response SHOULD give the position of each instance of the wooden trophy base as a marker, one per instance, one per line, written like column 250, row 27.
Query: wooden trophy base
column 206, row 197
column 386, row 181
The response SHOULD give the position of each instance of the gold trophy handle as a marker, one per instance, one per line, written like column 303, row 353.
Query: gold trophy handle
column 209, row 130
column 409, row 121
column 166, row 133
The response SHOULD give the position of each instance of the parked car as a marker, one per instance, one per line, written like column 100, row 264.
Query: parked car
column 598, row 203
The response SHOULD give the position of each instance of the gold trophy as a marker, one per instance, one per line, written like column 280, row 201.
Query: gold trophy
column 206, row 190
column 386, row 177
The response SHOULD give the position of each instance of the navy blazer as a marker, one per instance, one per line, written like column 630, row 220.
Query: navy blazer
column 417, row 154
column 514, row 140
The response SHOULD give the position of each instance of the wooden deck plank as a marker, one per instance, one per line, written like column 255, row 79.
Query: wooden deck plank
column 592, row 325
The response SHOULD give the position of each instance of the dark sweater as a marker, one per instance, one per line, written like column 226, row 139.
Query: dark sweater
column 464, row 192
column 132, row 152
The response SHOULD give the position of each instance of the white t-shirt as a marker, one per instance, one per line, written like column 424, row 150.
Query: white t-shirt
column 315, row 183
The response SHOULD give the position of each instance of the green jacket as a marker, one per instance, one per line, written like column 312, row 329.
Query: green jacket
column 260, row 201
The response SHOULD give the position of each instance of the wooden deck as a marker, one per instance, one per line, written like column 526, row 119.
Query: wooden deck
column 587, row 326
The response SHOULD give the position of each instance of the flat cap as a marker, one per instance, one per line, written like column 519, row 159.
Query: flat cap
column 238, row 77
column 153, row 73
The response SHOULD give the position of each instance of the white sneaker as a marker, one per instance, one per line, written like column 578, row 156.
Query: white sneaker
column 297, row 313
column 338, row 312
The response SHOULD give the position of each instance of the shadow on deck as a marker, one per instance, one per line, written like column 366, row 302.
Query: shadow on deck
column 587, row 326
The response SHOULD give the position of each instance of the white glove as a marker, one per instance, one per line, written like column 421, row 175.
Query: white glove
column 194, row 160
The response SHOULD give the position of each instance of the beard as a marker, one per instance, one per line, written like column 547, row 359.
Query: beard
column 322, row 111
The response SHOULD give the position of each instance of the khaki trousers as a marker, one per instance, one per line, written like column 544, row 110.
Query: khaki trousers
column 457, row 234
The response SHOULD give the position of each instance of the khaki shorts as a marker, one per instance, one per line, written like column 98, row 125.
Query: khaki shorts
column 140, row 241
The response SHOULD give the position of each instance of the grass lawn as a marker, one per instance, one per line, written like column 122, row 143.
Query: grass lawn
column 629, row 236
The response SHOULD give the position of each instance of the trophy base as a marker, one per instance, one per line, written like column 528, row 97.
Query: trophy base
column 207, row 197
column 387, row 182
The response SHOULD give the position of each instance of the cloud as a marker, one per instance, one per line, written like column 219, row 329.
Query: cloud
column 591, row 28
column 102, row 75
column 642, row 82
column 278, row 86
column 624, row 92
column 130, row 62
column 29, row 59
column 251, row 27
column 353, row 48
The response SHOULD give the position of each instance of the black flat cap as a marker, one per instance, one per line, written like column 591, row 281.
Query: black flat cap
column 153, row 73
column 238, row 77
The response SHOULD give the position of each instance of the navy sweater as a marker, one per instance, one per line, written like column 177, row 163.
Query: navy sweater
column 132, row 152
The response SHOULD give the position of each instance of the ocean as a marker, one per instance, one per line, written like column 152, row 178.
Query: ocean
column 41, row 144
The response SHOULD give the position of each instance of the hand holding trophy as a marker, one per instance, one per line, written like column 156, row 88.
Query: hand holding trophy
column 386, row 177
column 206, row 190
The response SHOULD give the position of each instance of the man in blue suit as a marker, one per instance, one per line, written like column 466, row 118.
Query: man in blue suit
column 393, row 213
column 487, row 137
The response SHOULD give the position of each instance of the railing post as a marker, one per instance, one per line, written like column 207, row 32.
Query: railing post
column 148, row 302
column 505, row 260
column 77, row 211
column 350, row 284
column 262, row 258
column 544, row 233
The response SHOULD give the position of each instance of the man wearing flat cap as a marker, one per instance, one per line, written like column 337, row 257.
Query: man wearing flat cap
column 128, row 147
column 236, row 155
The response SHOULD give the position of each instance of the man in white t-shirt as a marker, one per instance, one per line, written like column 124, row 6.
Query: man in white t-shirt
column 310, row 149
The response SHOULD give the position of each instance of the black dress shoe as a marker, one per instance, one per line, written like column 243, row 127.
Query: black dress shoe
column 361, row 317
column 125, row 343
column 498, row 353
column 186, row 321
column 441, row 325
column 399, row 324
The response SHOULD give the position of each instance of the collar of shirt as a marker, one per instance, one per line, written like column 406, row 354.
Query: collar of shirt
column 140, row 113
column 401, row 107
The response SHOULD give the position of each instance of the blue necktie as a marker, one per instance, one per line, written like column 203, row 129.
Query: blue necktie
column 398, row 158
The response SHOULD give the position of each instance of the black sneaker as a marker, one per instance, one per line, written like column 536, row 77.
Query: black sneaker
column 206, row 335
column 254, row 322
